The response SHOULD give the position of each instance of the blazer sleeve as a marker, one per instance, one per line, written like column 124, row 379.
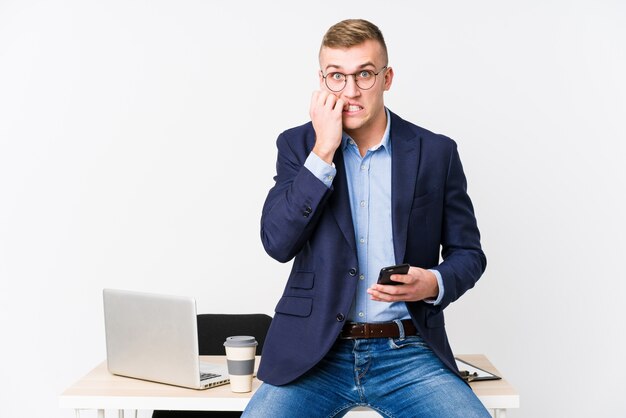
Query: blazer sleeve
column 294, row 203
column 463, row 258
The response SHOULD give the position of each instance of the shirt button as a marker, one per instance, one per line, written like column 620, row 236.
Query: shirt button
column 362, row 240
column 352, row 272
column 361, row 314
column 363, row 168
column 330, row 178
column 362, row 277
column 340, row 317
column 362, row 203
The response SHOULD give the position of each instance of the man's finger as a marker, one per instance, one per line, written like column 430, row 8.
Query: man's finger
column 339, row 105
column 330, row 100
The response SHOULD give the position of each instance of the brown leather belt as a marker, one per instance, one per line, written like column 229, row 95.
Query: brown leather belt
column 353, row 330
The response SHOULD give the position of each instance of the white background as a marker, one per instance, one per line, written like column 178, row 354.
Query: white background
column 137, row 146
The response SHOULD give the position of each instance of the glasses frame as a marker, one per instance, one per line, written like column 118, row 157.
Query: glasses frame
column 345, row 80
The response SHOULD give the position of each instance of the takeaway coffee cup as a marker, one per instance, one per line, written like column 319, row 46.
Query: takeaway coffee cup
column 240, row 352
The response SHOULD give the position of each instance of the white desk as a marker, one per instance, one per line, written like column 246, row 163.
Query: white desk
column 100, row 390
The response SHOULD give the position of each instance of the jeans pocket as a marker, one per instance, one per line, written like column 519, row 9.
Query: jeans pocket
column 410, row 341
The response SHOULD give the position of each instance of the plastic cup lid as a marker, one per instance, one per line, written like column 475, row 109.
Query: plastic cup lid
column 240, row 341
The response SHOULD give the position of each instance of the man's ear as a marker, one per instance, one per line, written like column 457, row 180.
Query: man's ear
column 388, row 78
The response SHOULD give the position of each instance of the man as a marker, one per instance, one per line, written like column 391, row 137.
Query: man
column 358, row 189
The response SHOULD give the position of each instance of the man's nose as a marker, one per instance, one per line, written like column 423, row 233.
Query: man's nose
column 351, row 89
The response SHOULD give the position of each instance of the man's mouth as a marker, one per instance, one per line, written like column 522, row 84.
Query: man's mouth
column 352, row 108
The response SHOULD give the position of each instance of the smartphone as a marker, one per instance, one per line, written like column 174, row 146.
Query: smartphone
column 385, row 273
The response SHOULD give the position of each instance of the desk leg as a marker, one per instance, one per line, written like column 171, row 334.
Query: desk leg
column 499, row 413
column 100, row 413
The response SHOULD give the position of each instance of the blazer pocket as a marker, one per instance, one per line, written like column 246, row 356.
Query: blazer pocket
column 425, row 199
column 292, row 305
column 302, row 280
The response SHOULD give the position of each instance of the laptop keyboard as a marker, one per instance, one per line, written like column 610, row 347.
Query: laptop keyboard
column 204, row 375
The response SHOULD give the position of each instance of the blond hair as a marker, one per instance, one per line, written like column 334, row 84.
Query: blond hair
column 352, row 32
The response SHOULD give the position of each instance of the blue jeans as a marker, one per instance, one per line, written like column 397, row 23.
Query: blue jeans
column 395, row 377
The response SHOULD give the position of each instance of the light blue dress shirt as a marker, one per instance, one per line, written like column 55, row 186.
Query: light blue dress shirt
column 369, row 184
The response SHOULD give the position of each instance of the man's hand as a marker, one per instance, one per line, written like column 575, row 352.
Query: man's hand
column 417, row 284
column 326, row 112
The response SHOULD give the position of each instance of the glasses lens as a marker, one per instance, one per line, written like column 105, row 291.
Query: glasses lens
column 365, row 79
column 335, row 81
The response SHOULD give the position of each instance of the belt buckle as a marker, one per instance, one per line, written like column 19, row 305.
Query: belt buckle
column 351, row 332
column 366, row 330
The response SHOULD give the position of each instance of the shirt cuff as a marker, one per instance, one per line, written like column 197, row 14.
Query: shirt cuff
column 321, row 169
column 440, row 283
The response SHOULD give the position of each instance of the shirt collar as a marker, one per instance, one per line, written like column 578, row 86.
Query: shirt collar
column 385, row 142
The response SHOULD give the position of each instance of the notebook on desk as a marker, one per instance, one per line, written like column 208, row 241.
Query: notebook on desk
column 155, row 337
column 470, row 372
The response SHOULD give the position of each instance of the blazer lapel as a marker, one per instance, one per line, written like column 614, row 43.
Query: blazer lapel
column 405, row 150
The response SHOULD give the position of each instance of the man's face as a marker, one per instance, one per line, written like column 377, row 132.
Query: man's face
column 364, row 110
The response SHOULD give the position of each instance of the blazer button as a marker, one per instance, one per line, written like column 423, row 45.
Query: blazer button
column 307, row 211
column 340, row 317
column 352, row 272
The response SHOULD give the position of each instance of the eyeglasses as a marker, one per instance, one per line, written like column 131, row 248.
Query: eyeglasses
column 364, row 79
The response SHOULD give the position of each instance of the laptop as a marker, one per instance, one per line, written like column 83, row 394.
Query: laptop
column 155, row 337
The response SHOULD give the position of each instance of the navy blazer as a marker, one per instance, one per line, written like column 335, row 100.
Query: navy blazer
column 302, row 218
